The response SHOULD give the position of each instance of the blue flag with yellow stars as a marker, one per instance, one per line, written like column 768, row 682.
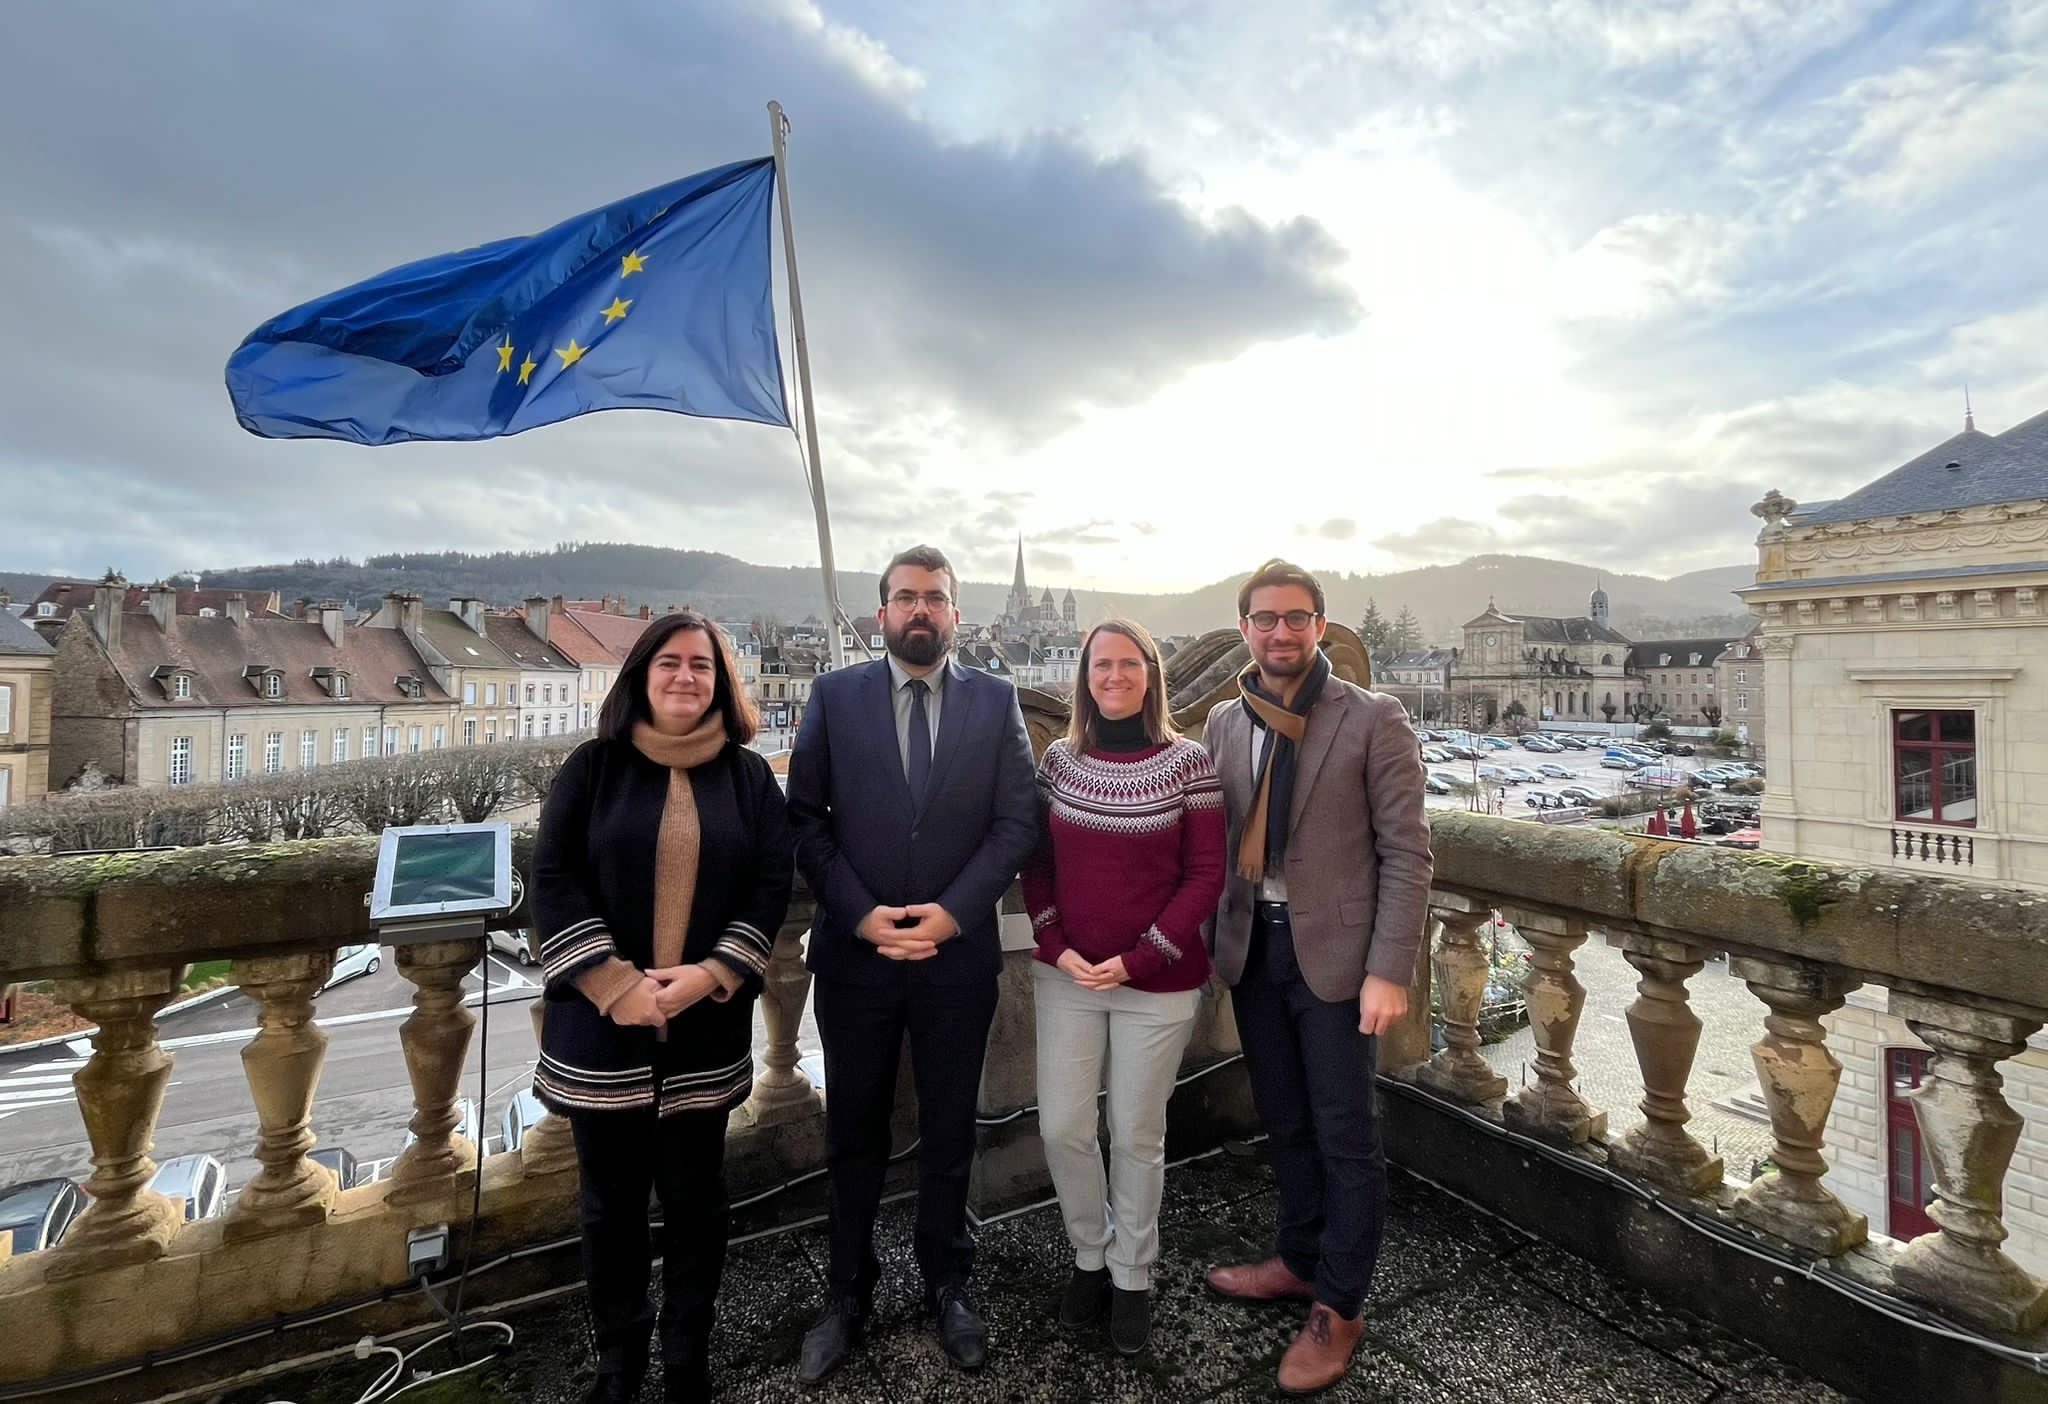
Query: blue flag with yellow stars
column 661, row 301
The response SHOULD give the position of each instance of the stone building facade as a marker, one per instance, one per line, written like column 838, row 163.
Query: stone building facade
column 1905, row 654
column 1739, row 682
column 27, row 672
column 1559, row 669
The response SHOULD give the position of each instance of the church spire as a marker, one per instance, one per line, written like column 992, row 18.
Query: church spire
column 1969, row 418
column 1017, row 585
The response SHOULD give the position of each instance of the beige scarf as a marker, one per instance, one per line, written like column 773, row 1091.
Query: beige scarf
column 1251, row 846
column 675, row 848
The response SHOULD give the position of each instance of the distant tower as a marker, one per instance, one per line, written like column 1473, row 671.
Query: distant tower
column 1596, row 607
column 1969, row 417
column 1019, row 606
column 1069, row 611
column 1047, row 610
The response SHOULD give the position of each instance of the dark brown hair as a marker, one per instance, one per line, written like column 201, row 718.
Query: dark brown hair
column 924, row 558
column 626, row 703
column 1159, row 727
column 1278, row 572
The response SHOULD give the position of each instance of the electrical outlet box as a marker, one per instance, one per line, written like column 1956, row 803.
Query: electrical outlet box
column 426, row 1250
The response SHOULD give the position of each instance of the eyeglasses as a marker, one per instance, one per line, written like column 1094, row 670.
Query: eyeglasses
column 933, row 600
column 1265, row 620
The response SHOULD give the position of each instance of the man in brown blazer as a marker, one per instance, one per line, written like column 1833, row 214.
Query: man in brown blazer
column 1316, row 936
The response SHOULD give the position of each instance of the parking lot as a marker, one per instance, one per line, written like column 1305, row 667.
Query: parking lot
column 1583, row 767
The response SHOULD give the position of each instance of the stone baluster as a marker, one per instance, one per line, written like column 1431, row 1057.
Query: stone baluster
column 1666, row 1034
column 1799, row 1077
column 283, row 1065
column 1970, row 1134
column 1549, row 1106
column 549, row 1144
column 436, row 1041
column 120, row 1093
column 1461, row 966
column 782, row 1093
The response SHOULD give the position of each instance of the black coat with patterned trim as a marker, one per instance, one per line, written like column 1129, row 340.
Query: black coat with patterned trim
column 593, row 897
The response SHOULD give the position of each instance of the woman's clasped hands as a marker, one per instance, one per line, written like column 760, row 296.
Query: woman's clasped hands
column 1090, row 976
column 663, row 994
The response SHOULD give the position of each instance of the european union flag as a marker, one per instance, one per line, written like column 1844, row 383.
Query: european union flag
column 662, row 301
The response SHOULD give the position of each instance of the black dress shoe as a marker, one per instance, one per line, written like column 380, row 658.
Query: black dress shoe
column 1130, row 1321
column 960, row 1330
column 613, row 1387
column 1086, row 1298
column 830, row 1339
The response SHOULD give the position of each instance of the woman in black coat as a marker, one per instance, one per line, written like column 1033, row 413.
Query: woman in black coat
column 661, row 876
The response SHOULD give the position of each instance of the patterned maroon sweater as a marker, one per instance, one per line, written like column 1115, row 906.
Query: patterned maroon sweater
column 1132, row 860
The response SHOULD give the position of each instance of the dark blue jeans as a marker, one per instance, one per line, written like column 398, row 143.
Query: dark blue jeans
column 1312, row 1080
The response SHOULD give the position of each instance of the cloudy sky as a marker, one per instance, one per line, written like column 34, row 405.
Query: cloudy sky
column 1167, row 285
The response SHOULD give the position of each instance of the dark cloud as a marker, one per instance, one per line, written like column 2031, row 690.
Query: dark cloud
column 1337, row 529
column 1444, row 539
column 217, row 164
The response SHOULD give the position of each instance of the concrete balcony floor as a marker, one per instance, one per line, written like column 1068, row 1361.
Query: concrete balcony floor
column 1465, row 1308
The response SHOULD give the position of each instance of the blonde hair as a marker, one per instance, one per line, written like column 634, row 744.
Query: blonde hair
column 1159, row 727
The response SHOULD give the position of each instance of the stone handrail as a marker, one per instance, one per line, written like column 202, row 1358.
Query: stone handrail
column 1963, row 961
column 1965, row 964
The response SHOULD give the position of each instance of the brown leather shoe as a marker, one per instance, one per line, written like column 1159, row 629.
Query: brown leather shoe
column 1269, row 1281
column 1321, row 1353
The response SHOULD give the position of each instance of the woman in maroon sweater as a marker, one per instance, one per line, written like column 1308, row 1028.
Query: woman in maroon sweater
column 1130, row 867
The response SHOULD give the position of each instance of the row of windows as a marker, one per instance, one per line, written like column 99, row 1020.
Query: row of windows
column 235, row 764
column 547, row 692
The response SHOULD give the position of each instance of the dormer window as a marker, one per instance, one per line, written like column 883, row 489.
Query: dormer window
column 45, row 610
column 333, row 679
column 175, row 680
column 338, row 685
column 209, row 613
column 409, row 686
column 268, row 681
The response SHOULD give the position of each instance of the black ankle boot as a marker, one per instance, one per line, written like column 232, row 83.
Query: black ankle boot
column 1130, row 1320
column 1086, row 1298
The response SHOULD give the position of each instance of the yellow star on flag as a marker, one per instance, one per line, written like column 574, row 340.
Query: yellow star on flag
column 633, row 264
column 572, row 355
column 616, row 310
column 526, row 368
column 505, row 355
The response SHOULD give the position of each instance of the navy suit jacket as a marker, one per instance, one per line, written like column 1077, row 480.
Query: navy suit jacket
column 861, row 843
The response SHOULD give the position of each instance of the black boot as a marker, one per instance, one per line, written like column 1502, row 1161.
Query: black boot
column 1130, row 1320
column 1086, row 1297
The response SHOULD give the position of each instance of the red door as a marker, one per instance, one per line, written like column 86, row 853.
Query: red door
column 1909, row 1178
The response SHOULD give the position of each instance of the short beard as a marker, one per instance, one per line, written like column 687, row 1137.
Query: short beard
column 914, row 646
column 1306, row 661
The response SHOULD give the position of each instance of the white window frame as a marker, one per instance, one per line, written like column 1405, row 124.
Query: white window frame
column 273, row 686
column 529, row 694
column 235, row 764
column 440, row 736
column 309, row 749
column 340, row 752
column 273, row 753
column 45, row 610
column 469, row 694
column 412, row 740
column 390, row 740
column 340, row 687
column 547, row 694
column 6, row 784
column 545, row 718
column 469, row 731
column 6, row 708
column 527, row 727
column 181, row 687
column 490, row 694
column 178, row 761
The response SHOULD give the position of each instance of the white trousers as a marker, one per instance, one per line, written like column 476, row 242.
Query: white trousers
column 1113, row 1220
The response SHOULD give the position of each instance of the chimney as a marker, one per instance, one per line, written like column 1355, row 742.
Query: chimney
column 412, row 618
column 537, row 610
column 298, row 609
column 238, row 610
column 330, row 620
column 470, row 610
column 107, row 599
column 647, row 611
column 163, row 605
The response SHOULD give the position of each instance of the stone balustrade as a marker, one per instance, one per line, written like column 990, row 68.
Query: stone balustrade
column 1966, row 965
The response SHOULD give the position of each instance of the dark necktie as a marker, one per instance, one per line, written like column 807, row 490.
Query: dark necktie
column 919, row 742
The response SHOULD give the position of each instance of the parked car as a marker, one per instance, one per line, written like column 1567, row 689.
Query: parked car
column 516, row 941
column 1569, row 742
column 1437, row 785
column 1496, row 743
column 198, row 1182
column 348, row 1173
column 1544, row 799
column 1677, row 748
column 1521, row 774
column 1621, row 760
column 351, row 961
column 1460, row 751
column 1579, row 794
column 1446, row 776
column 37, row 1212
column 525, row 1109
column 1541, row 744
column 1556, row 771
column 1496, row 775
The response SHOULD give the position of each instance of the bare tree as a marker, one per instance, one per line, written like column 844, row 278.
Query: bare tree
column 478, row 781
column 307, row 804
column 537, row 763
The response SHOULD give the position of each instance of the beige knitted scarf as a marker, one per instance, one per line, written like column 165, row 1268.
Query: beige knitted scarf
column 675, row 848
column 1251, row 846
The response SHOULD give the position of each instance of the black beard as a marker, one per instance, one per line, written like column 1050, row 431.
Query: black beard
column 1302, row 663
column 919, row 645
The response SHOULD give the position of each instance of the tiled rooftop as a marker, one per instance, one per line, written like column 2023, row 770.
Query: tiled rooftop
column 1465, row 1308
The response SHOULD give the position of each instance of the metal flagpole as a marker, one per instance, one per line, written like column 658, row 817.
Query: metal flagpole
column 778, row 126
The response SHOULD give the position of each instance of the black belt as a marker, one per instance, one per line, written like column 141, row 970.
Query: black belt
column 1271, row 908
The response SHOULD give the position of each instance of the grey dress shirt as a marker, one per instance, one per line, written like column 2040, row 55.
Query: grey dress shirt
column 899, row 697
